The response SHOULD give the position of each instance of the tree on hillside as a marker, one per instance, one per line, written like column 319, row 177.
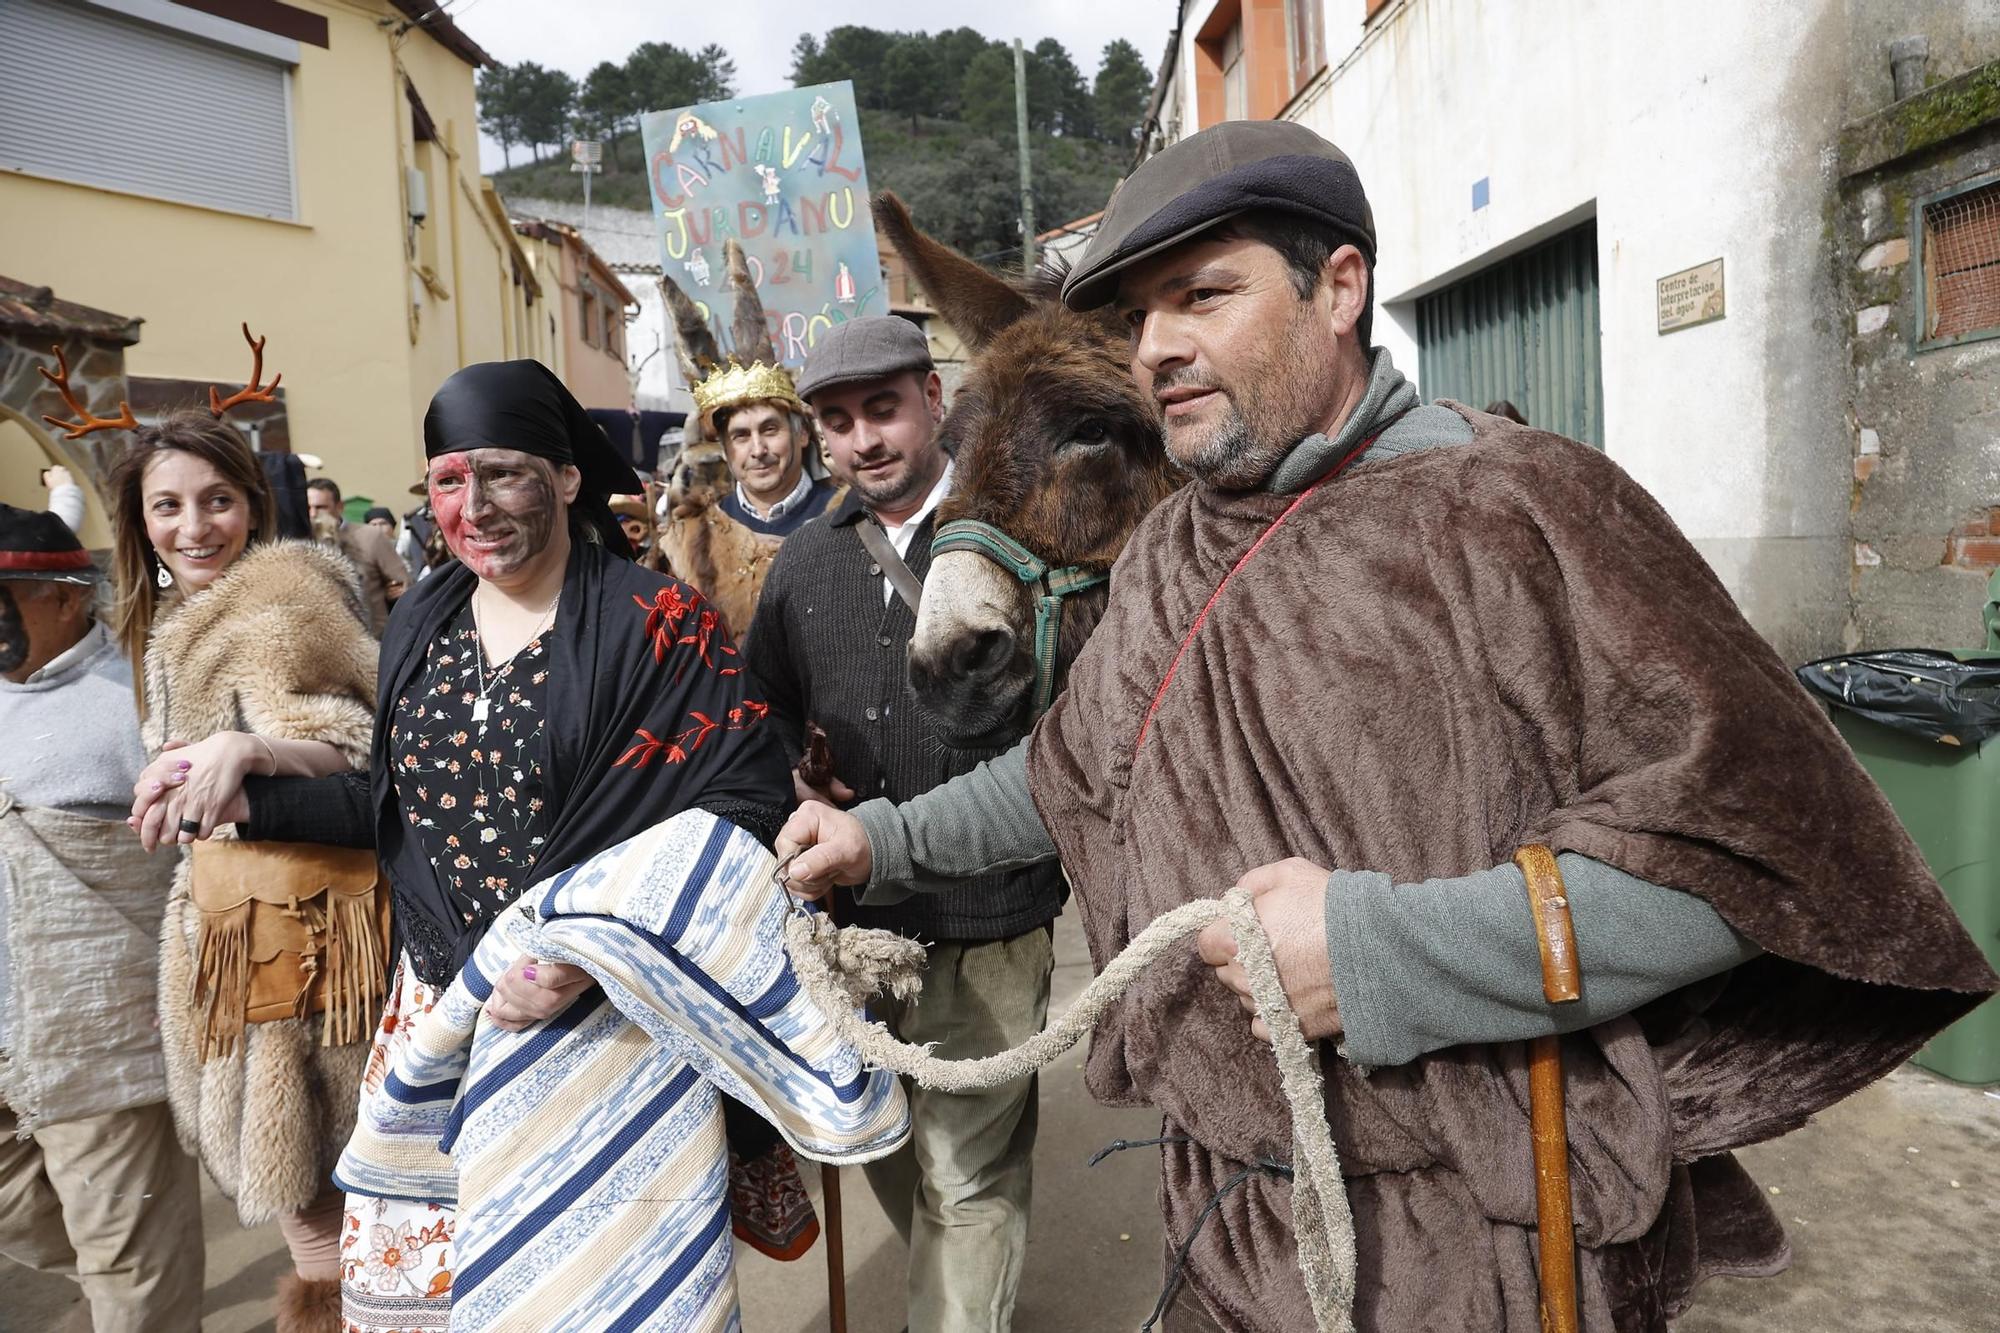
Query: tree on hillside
column 1123, row 91
column 913, row 78
column 604, row 106
column 1058, row 103
column 544, row 100
column 849, row 52
column 718, row 79
column 986, row 93
column 957, row 48
column 660, row 76
column 805, row 61
column 500, row 107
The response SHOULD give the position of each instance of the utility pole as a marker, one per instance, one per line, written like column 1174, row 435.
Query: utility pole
column 1027, row 179
column 586, row 158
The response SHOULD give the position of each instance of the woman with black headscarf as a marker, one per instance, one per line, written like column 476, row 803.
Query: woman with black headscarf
column 542, row 699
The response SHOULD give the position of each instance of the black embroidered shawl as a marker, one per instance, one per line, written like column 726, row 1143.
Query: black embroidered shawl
column 647, row 718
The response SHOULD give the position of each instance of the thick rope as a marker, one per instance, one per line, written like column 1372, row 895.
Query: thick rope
column 838, row 967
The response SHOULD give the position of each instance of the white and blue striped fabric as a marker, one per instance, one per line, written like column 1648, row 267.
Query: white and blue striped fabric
column 585, row 1156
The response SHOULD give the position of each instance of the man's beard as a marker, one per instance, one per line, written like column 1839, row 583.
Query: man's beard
column 885, row 493
column 1263, row 419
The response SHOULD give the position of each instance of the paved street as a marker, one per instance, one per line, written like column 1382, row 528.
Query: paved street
column 1892, row 1202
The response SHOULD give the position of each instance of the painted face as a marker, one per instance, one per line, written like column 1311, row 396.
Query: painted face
column 39, row 621
column 764, row 451
column 498, row 507
column 1240, row 365
column 197, row 520
column 881, row 436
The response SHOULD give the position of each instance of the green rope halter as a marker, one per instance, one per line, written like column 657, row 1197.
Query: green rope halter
column 1049, row 587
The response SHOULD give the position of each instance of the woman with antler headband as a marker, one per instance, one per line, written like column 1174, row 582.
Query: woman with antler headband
column 251, row 656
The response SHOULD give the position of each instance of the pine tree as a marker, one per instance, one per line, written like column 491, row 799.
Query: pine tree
column 1124, row 89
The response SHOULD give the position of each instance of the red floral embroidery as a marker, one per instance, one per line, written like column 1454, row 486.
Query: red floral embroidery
column 675, row 749
column 677, row 616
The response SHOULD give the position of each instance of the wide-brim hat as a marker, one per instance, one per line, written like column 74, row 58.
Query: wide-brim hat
column 36, row 544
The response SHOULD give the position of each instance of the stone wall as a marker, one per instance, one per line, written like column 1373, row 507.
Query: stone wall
column 96, row 377
column 1924, row 422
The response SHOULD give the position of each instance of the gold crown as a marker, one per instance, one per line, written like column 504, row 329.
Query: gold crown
column 733, row 385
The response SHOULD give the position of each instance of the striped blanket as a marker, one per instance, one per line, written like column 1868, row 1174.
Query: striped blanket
column 586, row 1156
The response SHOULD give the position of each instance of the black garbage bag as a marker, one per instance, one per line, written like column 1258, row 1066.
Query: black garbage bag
column 1919, row 691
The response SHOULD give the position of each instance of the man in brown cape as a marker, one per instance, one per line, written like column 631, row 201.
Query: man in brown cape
column 1372, row 650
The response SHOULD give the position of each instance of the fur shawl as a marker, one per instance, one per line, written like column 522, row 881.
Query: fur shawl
column 720, row 558
column 1437, row 658
column 279, row 646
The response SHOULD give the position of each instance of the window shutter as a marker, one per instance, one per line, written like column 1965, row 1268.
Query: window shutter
column 99, row 99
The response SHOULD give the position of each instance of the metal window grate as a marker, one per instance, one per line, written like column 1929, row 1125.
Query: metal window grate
column 1962, row 263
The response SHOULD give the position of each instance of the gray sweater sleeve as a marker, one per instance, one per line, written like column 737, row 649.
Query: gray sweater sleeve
column 977, row 823
column 1419, row 967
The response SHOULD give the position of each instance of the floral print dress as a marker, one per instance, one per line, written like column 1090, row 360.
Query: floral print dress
column 466, row 749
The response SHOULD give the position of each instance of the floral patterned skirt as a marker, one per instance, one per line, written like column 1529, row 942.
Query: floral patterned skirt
column 395, row 1257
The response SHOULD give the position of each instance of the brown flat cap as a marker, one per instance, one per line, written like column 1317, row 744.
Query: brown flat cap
column 1206, row 178
column 868, row 348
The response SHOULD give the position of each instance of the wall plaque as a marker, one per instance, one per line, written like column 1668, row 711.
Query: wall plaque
column 1692, row 296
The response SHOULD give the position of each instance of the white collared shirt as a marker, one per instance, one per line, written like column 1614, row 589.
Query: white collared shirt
column 784, row 506
column 93, row 639
column 901, row 533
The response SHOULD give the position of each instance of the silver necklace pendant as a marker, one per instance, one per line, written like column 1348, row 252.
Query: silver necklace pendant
column 480, row 709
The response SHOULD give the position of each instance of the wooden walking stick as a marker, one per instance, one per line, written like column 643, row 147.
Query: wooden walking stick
column 815, row 768
column 1561, row 984
column 836, row 1256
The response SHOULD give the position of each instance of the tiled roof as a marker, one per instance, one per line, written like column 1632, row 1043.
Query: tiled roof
column 38, row 311
column 624, row 238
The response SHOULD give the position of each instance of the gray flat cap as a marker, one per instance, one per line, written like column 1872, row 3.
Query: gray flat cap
column 869, row 348
column 1210, row 177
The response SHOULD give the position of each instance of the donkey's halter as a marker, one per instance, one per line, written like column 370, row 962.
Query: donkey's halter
column 1048, row 586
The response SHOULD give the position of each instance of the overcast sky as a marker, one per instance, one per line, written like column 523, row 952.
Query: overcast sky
column 759, row 33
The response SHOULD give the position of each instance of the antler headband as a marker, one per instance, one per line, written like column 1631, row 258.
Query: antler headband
column 86, row 423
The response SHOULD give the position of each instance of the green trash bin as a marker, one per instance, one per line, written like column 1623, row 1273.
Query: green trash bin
column 1948, row 797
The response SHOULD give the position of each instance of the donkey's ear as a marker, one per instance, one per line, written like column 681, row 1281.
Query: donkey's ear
column 972, row 301
column 694, row 341
column 748, row 332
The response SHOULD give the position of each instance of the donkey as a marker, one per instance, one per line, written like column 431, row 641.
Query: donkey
column 1059, row 455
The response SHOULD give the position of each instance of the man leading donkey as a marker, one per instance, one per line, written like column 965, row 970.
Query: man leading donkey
column 1372, row 652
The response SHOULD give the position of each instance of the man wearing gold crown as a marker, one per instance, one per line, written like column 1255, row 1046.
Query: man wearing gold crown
column 720, row 535
column 765, row 432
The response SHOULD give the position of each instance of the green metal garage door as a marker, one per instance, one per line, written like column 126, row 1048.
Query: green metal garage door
column 1524, row 329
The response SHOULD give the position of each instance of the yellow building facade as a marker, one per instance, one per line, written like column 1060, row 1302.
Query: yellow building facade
column 339, row 210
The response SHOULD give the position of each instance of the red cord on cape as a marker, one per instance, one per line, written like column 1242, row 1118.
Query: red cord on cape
column 1236, row 569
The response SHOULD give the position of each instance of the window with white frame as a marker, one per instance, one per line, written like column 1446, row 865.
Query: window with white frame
column 150, row 98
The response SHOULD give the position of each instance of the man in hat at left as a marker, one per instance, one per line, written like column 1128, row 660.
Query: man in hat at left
column 93, row 1181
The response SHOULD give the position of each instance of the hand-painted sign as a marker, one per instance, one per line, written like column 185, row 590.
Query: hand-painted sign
column 782, row 173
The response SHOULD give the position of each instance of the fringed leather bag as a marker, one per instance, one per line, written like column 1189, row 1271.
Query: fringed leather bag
column 288, row 929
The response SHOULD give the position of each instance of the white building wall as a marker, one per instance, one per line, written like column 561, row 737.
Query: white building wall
column 650, row 339
column 624, row 238
column 1691, row 130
